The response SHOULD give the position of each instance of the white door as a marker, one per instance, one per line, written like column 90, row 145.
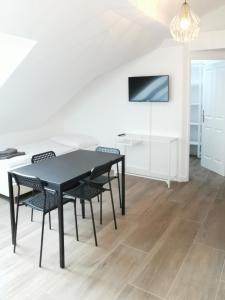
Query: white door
column 213, row 126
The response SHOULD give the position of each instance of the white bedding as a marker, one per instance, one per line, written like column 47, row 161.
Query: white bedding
column 45, row 145
column 30, row 150
column 75, row 140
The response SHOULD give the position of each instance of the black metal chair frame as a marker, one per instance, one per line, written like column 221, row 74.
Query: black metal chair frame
column 48, row 204
column 42, row 156
column 76, row 193
column 117, row 176
column 36, row 159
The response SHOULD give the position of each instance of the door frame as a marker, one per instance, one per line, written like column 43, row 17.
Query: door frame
column 197, row 55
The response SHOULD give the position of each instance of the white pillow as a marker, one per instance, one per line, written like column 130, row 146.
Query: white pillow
column 76, row 140
column 44, row 146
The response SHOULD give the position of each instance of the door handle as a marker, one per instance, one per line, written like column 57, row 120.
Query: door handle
column 203, row 116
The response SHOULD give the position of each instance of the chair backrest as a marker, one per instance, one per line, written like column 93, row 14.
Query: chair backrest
column 100, row 170
column 28, row 181
column 107, row 150
column 42, row 156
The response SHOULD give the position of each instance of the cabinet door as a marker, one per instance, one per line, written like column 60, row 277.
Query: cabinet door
column 137, row 158
column 163, row 157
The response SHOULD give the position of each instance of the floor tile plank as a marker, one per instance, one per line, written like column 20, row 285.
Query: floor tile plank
column 221, row 291
column 200, row 274
column 132, row 293
column 161, row 267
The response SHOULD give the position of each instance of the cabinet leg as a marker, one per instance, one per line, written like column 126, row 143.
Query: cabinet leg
column 168, row 184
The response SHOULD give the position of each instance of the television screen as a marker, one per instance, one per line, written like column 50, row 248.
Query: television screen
column 149, row 89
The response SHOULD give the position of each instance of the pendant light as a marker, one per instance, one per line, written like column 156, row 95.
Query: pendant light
column 184, row 27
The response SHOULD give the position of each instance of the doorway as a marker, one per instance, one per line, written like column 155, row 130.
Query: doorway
column 207, row 114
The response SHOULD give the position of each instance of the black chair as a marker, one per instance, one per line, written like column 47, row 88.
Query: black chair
column 36, row 159
column 42, row 156
column 89, row 190
column 44, row 200
column 102, row 180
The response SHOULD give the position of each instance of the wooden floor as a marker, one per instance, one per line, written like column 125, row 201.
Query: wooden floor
column 170, row 245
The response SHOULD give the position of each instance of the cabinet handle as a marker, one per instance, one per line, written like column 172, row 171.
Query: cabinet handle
column 203, row 116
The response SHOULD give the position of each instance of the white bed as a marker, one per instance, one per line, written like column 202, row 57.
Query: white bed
column 59, row 144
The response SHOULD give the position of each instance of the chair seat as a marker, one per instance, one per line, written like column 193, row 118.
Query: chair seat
column 37, row 202
column 85, row 191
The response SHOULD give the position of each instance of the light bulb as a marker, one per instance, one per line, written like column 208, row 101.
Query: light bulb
column 185, row 23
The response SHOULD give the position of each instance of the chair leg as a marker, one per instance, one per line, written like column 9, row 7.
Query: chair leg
column 113, row 208
column 98, row 198
column 93, row 223
column 32, row 210
column 100, row 208
column 82, row 208
column 17, row 213
column 42, row 237
column 75, row 215
column 50, row 222
column 118, row 180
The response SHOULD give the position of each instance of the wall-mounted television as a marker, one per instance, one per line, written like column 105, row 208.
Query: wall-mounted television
column 149, row 88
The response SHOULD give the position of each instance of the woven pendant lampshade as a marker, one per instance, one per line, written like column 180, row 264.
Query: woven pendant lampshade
column 184, row 27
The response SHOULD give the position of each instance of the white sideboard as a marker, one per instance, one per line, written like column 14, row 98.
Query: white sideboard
column 150, row 156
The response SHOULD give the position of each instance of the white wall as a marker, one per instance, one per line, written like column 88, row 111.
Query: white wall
column 28, row 136
column 76, row 42
column 103, row 110
column 211, row 40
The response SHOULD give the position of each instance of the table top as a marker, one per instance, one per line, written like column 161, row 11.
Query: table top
column 67, row 167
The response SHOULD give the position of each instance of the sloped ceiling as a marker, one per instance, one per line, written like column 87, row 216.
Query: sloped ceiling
column 77, row 40
column 214, row 20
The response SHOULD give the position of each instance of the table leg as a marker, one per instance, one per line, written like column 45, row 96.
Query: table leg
column 123, row 186
column 61, row 228
column 11, row 203
column 82, row 208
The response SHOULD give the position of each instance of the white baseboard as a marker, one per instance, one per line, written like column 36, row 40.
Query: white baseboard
column 179, row 179
column 182, row 179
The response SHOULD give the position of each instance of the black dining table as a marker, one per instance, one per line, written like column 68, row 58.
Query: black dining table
column 62, row 173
